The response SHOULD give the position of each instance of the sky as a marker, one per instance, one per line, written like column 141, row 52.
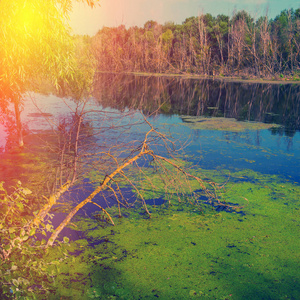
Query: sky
column 112, row 13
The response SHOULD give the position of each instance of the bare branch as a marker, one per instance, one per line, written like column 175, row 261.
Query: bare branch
column 100, row 188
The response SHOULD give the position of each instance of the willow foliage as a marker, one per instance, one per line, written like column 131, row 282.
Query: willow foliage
column 35, row 41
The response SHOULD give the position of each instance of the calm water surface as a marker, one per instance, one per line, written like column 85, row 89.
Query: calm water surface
column 255, row 256
column 268, row 151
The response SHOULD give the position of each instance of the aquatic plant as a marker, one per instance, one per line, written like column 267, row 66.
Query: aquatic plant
column 19, row 226
column 183, row 253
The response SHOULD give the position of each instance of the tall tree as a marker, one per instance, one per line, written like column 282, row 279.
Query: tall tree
column 221, row 31
column 35, row 41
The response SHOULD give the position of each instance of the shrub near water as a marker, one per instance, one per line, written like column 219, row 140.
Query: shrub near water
column 182, row 252
column 22, row 267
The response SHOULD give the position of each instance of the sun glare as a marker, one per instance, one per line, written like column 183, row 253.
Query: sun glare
column 34, row 42
column 29, row 20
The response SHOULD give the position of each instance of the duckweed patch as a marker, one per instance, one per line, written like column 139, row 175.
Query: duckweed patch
column 223, row 124
column 183, row 253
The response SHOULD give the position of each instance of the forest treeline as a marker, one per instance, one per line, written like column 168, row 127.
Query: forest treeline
column 240, row 45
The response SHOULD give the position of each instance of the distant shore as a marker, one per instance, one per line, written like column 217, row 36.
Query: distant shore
column 217, row 77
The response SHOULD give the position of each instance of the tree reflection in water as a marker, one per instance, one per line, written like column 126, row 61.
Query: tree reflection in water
column 260, row 102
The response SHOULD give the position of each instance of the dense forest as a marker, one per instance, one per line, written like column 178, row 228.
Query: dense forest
column 240, row 45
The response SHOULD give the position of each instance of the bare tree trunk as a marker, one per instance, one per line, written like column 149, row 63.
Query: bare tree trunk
column 76, row 150
column 230, row 49
column 256, row 63
column 18, row 122
column 220, row 45
column 144, row 151
column 204, row 49
column 290, row 42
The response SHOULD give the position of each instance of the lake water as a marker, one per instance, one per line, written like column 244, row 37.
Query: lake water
column 236, row 140
column 250, row 130
column 169, row 100
column 271, row 151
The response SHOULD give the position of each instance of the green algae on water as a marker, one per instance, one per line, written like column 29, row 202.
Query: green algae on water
column 223, row 124
column 180, row 253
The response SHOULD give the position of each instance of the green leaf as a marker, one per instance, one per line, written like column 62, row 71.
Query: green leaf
column 48, row 227
column 13, row 268
column 66, row 239
column 26, row 237
column 20, row 205
column 32, row 231
column 15, row 282
column 11, row 229
column 26, row 191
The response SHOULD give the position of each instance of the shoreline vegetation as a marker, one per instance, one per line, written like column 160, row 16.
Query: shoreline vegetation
column 208, row 77
column 237, row 47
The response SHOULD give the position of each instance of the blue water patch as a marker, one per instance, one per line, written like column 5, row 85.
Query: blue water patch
column 259, row 150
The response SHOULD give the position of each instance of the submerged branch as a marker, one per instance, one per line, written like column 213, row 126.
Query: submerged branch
column 111, row 220
column 103, row 185
column 199, row 180
column 138, row 192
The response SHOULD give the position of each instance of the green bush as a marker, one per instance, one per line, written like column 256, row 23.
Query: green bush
column 22, row 268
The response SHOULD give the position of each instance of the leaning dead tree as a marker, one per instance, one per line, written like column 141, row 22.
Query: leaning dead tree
column 122, row 162
column 165, row 168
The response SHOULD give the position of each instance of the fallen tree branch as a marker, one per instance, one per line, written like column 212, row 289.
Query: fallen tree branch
column 144, row 151
column 104, row 212
column 26, row 229
column 199, row 180
column 51, row 201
